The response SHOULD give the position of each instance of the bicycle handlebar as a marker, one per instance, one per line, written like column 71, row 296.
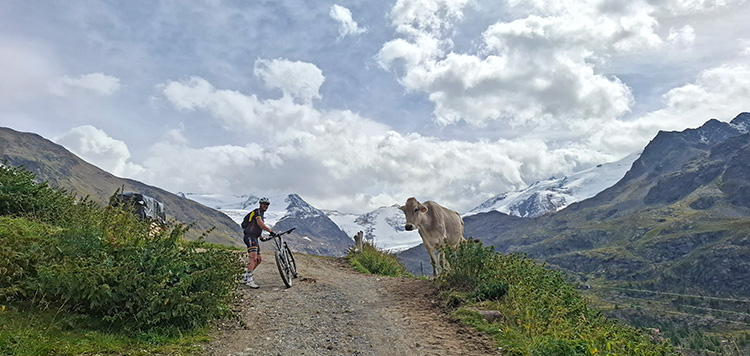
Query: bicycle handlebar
column 279, row 234
column 286, row 232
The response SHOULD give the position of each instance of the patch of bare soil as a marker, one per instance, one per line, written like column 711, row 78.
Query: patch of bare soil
column 333, row 310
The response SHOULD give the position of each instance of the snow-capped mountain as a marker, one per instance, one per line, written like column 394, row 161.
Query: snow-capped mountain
column 237, row 206
column 315, row 233
column 384, row 227
column 556, row 193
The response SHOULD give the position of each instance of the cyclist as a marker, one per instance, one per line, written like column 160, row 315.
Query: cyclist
column 253, row 226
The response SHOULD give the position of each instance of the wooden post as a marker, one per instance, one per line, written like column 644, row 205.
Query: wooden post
column 358, row 241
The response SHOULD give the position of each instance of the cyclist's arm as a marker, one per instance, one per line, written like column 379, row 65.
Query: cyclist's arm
column 262, row 225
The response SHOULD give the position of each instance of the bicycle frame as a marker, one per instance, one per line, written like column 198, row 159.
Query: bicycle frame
column 284, row 257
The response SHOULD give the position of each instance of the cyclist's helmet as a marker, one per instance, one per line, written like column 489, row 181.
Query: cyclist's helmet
column 264, row 200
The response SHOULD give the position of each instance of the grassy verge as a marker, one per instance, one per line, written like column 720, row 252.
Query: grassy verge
column 78, row 278
column 540, row 313
column 374, row 261
column 56, row 332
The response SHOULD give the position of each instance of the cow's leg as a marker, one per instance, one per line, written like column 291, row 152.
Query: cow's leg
column 431, row 251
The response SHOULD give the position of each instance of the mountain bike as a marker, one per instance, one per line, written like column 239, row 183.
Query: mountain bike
column 284, row 257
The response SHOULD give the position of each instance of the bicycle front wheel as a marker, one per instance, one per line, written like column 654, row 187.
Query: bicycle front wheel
column 290, row 259
column 283, row 266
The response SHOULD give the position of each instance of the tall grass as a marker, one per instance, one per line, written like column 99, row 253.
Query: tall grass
column 542, row 314
column 104, row 264
column 374, row 261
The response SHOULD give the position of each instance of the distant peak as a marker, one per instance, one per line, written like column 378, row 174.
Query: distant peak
column 742, row 122
column 296, row 200
column 250, row 201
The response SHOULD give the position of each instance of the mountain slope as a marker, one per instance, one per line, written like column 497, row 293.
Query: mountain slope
column 61, row 168
column 671, row 239
column 672, row 236
column 682, row 210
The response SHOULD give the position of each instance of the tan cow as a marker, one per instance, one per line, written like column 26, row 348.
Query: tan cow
column 438, row 226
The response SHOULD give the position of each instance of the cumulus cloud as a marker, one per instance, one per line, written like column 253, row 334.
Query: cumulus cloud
column 299, row 80
column 682, row 38
column 542, row 64
column 719, row 92
column 96, row 147
column 339, row 158
column 97, row 83
column 533, row 88
column 688, row 7
column 281, row 117
column 433, row 17
column 347, row 25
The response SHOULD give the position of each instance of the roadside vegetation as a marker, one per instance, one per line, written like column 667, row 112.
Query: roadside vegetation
column 79, row 278
column 371, row 260
column 539, row 313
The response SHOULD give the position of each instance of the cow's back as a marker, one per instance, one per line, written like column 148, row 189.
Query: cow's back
column 451, row 220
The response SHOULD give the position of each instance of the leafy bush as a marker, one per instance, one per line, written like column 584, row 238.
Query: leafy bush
column 23, row 245
column 489, row 291
column 542, row 313
column 20, row 196
column 471, row 269
column 142, row 282
column 374, row 261
column 106, row 263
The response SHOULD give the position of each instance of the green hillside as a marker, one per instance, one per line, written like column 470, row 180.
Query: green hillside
column 54, row 164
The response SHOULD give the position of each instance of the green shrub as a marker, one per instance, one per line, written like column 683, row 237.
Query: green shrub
column 559, row 347
column 374, row 261
column 140, row 280
column 471, row 269
column 489, row 291
column 23, row 245
column 542, row 313
column 20, row 196
column 105, row 263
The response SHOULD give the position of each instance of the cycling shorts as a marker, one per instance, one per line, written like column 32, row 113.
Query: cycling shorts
column 252, row 244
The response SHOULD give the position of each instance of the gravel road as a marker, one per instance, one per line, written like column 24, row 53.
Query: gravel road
column 333, row 310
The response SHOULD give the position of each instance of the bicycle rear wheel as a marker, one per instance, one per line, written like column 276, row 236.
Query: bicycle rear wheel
column 283, row 266
column 290, row 259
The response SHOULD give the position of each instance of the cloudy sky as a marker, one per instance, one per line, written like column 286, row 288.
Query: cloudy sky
column 357, row 104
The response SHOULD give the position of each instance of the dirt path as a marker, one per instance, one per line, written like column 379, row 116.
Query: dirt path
column 332, row 310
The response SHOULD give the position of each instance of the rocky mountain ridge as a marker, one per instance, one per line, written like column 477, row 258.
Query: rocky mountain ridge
column 554, row 194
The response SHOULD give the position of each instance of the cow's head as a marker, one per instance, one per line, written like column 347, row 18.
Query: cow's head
column 414, row 212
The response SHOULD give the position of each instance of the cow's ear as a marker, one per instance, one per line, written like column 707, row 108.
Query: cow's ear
column 422, row 208
column 402, row 208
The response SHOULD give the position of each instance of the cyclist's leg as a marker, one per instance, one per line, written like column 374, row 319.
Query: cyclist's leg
column 253, row 252
column 247, row 271
column 253, row 258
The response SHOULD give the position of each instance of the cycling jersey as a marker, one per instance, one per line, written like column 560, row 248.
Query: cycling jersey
column 251, row 221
